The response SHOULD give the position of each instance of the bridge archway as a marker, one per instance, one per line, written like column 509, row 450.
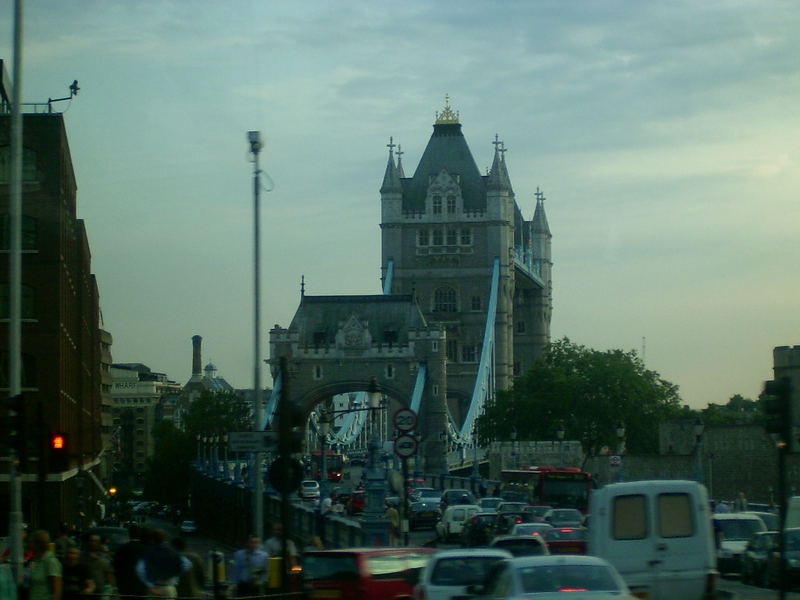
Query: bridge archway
column 341, row 344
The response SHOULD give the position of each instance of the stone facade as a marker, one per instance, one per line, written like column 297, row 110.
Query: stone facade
column 442, row 230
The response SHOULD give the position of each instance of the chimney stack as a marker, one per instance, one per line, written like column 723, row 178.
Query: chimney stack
column 197, row 370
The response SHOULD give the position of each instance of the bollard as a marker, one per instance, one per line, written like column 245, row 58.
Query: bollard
column 275, row 572
column 217, row 574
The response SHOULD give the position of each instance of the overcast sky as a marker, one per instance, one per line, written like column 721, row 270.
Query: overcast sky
column 665, row 136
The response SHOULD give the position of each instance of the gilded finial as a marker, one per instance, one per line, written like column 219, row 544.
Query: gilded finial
column 447, row 116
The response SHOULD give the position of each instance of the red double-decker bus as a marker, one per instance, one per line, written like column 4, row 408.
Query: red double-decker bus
column 334, row 464
column 559, row 487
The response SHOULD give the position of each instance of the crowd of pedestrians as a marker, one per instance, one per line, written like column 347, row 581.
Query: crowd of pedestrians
column 68, row 568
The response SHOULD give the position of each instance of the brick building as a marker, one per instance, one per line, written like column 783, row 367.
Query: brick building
column 61, row 342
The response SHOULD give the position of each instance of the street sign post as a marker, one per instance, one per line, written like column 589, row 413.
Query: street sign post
column 405, row 420
column 253, row 441
column 405, row 446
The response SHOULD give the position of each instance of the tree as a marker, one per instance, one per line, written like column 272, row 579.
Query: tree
column 589, row 392
column 168, row 470
column 738, row 411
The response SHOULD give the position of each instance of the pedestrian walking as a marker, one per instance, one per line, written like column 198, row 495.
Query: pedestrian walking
column 77, row 579
column 393, row 517
column 250, row 568
column 160, row 567
column 63, row 542
column 274, row 546
column 191, row 583
column 44, row 569
column 124, row 564
column 98, row 562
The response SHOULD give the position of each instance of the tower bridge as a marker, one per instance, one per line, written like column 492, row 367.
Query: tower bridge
column 466, row 303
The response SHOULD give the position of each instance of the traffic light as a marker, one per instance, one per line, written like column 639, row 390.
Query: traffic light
column 777, row 406
column 59, row 448
column 16, row 425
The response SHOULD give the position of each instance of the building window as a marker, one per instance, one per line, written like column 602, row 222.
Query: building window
column 27, row 308
column 437, row 205
column 317, row 372
column 438, row 237
column 434, row 345
column 517, row 369
column 451, row 204
column 469, row 354
column 389, row 371
column 476, row 303
column 520, row 326
column 390, row 337
column 319, row 338
column 452, row 350
column 28, row 164
column 444, row 300
column 422, row 237
column 452, row 237
column 466, row 237
column 29, row 236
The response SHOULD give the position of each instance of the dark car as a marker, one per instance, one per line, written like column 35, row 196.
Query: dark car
column 772, row 575
column 566, row 540
column 537, row 512
column 756, row 556
column 423, row 513
column 452, row 497
column 564, row 517
column 479, row 530
column 506, row 521
column 521, row 545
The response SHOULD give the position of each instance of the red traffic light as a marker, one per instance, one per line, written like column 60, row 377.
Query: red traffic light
column 58, row 441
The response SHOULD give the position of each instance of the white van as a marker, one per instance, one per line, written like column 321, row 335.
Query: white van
column 453, row 520
column 658, row 535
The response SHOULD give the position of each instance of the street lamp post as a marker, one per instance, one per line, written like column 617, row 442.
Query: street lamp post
column 199, row 450
column 376, row 477
column 620, row 431
column 476, row 473
column 254, row 139
column 560, row 434
column 514, row 448
column 697, row 430
column 226, row 466
column 324, row 430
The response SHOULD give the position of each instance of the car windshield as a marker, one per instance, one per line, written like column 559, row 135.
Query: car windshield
column 461, row 570
column 567, row 515
column 341, row 567
column 568, row 578
column 739, row 529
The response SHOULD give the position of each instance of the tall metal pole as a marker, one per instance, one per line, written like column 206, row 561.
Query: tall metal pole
column 254, row 137
column 15, row 285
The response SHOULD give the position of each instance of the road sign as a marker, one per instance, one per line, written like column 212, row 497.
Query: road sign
column 615, row 460
column 285, row 474
column 252, row 441
column 405, row 446
column 405, row 419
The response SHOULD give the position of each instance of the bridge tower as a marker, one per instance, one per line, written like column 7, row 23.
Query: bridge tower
column 442, row 230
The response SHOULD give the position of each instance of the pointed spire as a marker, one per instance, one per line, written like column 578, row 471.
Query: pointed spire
column 400, row 153
column 539, row 221
column 498, row 176
column 391, row 179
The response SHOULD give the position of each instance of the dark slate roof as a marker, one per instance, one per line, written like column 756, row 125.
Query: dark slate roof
column 447, row 149
column 385, row 312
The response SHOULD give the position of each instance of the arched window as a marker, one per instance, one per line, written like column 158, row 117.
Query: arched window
column 444, row 300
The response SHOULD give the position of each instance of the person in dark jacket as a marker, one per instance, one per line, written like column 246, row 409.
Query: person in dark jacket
column 124, row 562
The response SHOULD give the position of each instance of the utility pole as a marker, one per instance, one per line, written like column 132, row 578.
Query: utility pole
column 254, row 137
column 15, row 285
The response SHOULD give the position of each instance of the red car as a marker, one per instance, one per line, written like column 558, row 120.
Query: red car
column 566, row 540
column 358, row 499
column 363, row 573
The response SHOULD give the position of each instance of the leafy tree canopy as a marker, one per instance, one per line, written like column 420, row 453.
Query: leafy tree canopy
column 213, row 413
column 738, row 411
column 588, row 391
